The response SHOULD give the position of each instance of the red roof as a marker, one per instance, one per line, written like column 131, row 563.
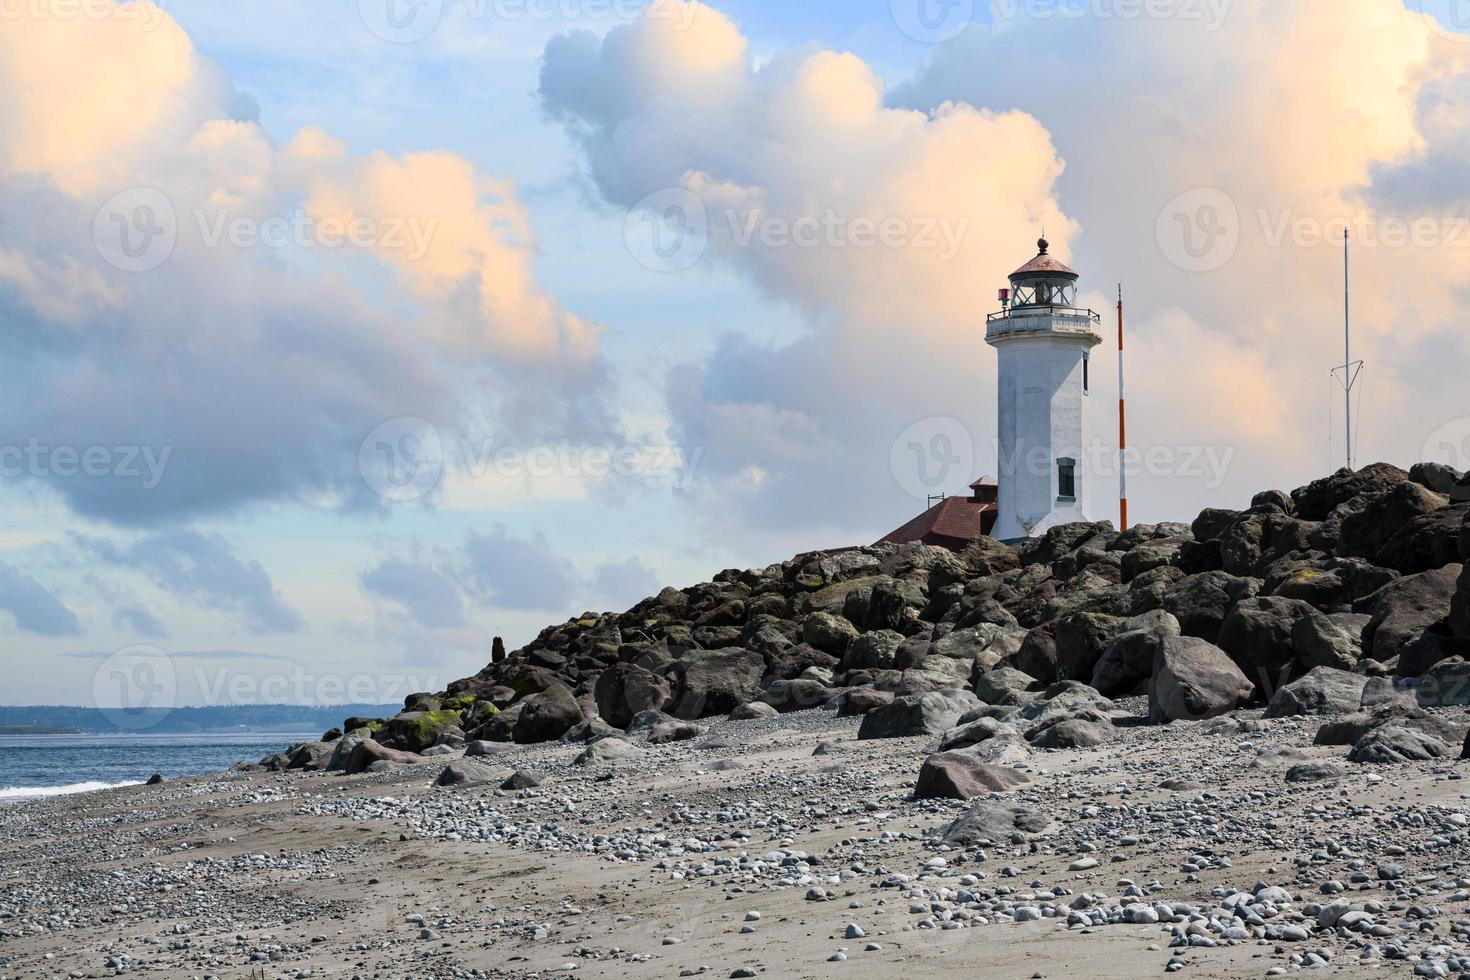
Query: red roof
column 1043, row 264
column 952, row 523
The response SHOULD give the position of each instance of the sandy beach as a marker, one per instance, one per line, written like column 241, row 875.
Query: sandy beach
column 741, row 853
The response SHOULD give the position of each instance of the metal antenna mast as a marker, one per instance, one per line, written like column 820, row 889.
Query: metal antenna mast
column 1350, row 369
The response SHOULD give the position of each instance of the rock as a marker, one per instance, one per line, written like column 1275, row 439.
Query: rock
column 714, row 682
column 674, row 731
column 1277, row 499
column 1075, row 733
column 1445, row 684
column 969, row 733
column 994, row 822
column 1127, row 662
column 1194, row 679
column 926, row 714
column 1200, row 603
column 999, row 685
column 1401, row 710
column 1315, row 772
column 1258, row 636
column 608, row 752
column 464, row 774
column 877, row 650
column 155, row 780
column 828, row 633
column 1428, row 649
column 1435, row 476
column 1426, row 542
column 861, row 700
column 797, row 695
column 1081, row 638
column 1405, row 608
column 518, row 780
column 1322, row 691
column 1319, row 498
column 624, row 689
column 1038, row 654
column 312, row 756
column 1460, row 602
column 1322, row 641
column 479, row 749
column 754, row 709
column 547, row 716
column 646, row 721
column 413, row 731
column 1365, row 532
column 588, row 731
column 370, row 751
column 1392, row 743
column 958, row 776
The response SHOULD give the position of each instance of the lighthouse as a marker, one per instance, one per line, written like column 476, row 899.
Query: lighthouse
column 1044, row 342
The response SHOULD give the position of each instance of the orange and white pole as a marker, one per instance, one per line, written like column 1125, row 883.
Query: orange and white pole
column 1122, row 426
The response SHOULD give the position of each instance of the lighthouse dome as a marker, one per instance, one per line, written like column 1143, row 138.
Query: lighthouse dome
column 1043, row 266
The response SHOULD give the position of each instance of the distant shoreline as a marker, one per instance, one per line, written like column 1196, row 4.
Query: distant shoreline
column 39, row 730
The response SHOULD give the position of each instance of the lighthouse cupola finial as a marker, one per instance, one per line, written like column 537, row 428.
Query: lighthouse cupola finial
column 1042, row 244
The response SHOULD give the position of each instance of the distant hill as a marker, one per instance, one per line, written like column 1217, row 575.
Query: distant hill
column 220, row 718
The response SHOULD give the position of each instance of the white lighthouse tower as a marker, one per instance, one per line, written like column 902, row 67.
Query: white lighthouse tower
column 1045, row 343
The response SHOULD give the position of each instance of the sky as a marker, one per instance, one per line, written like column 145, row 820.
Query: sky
column 342, row 337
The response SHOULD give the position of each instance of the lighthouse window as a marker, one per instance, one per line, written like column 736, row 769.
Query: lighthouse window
column 1067, row 479
column 1086, row 363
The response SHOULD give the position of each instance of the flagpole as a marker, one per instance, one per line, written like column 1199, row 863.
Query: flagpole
column 1122, row 425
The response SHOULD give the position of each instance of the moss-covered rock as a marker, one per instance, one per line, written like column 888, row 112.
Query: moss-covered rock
column 414, row 731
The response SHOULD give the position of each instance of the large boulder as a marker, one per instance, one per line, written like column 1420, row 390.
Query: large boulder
column 547, row 716
column 714, row 682
column 796, row 695
column 860, row 700
column 877, row 650
column 624, row 689
column 1406, row 607
column 1438, row 477
column 754, row 710
column 1460, row 602
column 992, row 822
column 1258, row 636
column 414, row 731
column 1365, row 532
column 610, row 752
column 1127, row 661
column 1074, row 733
column 925, row 714
column 828, row 633
column 1000, row 685
column 1321, row 497
column 1322, row 691
column 464, row 774
column 1201, row 602
column 1194, row 679
column 1393, row 744
column 1038, row 653
column 1081, row 639
column 370, row 751
column 311, row 756
column 1318, row 640
column 1426, row 542
column 1444, row 685
column 960, row 776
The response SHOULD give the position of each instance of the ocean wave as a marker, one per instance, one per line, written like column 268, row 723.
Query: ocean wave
column 34, row 792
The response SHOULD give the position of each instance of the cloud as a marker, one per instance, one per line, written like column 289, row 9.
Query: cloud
column 991, row 136
column 203, row 569
column 427, row 594
column 140, row 621
column 518, row 573
column 34, row 608
column 266, row 344
column 621, row 584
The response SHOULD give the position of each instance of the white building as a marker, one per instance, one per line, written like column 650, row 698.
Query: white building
column 1045, row 343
